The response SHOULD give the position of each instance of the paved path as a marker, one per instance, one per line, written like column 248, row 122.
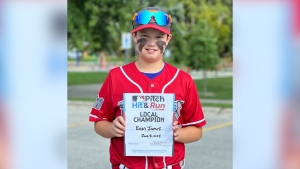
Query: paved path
column 88, row 150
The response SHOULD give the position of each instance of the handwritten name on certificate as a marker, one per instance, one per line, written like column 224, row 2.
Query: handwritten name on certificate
column 149, row 122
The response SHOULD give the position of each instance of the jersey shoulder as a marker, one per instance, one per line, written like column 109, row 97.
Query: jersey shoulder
column 117, row 70
column 182, row 74
column 114, row 70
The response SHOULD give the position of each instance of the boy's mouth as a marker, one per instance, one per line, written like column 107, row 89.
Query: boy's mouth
column 151, row 50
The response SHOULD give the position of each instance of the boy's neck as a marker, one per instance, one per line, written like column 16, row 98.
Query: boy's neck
column 147, row 67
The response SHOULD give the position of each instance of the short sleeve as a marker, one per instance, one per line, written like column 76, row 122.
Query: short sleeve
column 192, row 113
column 102, row 108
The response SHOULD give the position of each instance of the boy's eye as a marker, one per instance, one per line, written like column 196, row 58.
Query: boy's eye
column 159, row 37
column 145, row 35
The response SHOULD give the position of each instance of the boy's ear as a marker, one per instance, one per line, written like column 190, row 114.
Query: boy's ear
column 169, row 37
column 134, row 36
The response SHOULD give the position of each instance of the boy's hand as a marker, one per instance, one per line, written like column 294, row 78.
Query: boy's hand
column 176, row 130
column 118, row 127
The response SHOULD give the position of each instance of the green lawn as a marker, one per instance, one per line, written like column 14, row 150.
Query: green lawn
column 75, row 78
column 217, row 88
column 221, row 105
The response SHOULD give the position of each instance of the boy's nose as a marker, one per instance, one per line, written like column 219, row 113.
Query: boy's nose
column 151, row 42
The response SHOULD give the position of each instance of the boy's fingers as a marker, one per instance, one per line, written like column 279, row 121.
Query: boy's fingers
column 121, row 120
column 117, row 132
column 176, row 134
column 118, row 125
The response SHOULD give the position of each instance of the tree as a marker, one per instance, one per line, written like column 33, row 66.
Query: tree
column 179, row 44
column 101, row 22
column 219, row 17
column 203, row 49
column 77, row 21
column 218, row 14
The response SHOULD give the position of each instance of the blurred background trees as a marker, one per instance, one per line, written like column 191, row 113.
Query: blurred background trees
column 202, row 29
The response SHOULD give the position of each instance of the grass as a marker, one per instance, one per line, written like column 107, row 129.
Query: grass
column 217, row 88
column 82, row 99
column 221, row 105
column 76, row 78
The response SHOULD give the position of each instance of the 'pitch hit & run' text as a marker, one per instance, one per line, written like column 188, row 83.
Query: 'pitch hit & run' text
column 143, row 102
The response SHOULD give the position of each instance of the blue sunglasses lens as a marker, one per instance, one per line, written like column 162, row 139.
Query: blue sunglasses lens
column 144, row 17
column 161, row 18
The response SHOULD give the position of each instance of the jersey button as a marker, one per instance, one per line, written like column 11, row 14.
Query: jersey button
column 152, row 85
column 156, row 164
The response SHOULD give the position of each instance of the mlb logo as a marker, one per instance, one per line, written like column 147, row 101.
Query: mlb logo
column 138, row 98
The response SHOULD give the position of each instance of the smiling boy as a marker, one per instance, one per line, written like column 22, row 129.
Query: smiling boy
column 148, row 74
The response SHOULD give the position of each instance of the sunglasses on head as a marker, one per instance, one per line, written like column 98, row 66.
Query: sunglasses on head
column 144, row 17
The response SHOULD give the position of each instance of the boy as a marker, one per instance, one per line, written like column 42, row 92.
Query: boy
column 149, row 74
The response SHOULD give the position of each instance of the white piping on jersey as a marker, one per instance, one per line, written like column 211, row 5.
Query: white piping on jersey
column 131, row 79
column 187, row 124
column 163, row 90
column 183, row 164
column 164, row 160
column 122, row 166
column 146, row 165
column 94, row 116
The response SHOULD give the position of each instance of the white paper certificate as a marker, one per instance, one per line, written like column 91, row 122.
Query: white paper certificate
column 149, row 118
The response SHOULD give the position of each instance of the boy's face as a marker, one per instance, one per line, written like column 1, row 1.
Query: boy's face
column 151, row 43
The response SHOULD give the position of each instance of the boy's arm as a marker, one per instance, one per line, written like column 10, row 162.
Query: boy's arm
column 108, row 129
column 192, row 112
column 187, row 134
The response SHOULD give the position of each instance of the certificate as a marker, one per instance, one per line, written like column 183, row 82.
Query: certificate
column 149, row 122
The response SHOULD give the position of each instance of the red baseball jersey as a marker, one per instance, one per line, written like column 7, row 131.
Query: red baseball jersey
column 128, row 79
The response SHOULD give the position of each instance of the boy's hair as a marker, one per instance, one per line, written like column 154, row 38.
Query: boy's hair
column 152, row 23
